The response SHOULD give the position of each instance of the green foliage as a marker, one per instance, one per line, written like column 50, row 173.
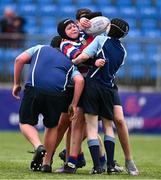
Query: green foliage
column 15, row 161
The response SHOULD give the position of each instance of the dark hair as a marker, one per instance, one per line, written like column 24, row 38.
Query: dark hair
column 55, row 42
column 119, row 28
column 61, row 27
column 82, row 13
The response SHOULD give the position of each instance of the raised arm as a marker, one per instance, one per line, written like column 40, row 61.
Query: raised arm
column 18, row 66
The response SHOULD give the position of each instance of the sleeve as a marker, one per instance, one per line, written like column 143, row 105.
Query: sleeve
column 69, row 50
column 32, row 50
column 96, row 45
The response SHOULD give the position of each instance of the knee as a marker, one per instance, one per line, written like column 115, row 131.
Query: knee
column 119, row 121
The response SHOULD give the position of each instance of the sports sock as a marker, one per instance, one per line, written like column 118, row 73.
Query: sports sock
column 109, row 143
column 72, row 159
column 93, row 145
column 102, row 159
column 80, row 156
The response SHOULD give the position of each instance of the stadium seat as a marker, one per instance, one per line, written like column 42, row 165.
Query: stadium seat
column 48, row 10
column 46, row 2
column 110, row 11
column 48, row 21
column 28, row 9
column 135, row 33
column 121, row 73
column 123, row 3
column 133, row 47
column 67, row 11
column 143, row 3
column 136, row 57
column 155, row 71
column 128, row 12
column 136, row 71
column 148, row 23
column 103, row 3
column 148, row 12
column 64, row 2
column 132, row 23
column 153, row 33
column 26, row 1
column 83, row 3
column 158, row 4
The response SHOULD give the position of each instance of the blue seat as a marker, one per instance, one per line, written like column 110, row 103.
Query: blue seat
column 67, row 12
column 133, row 47
column 26, row 1
column 128, row 12
column 109, row 11
column 10, row 68
column 48, row 21
column 103, row 3
column 121, row 73
column 42, row 2
column 84, row 3
column 149, row 23
column 132, row 23
column 158, row 4
column 48, row 10
column 136, row 57
column 137, row 71
column 155, row 72
column 28, row 9
column 153, row 33
column 135, row 33
column 123, row 3
column 64, row 2
column 32, row 30
column 148, row 12
column 143, row 3
column 51, row 31
column 6, row 2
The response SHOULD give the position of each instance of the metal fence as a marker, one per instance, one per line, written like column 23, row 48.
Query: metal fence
column 142, row 66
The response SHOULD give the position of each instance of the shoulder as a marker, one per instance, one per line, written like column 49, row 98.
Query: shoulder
column 33, row 49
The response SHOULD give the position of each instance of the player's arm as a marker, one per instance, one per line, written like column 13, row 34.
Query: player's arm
column 20, row 60
column 78, row 89
column 88, row 52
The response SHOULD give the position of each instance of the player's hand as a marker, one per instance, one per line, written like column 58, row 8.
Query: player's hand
column 85, row 23
column 100, row 62
column 16, row 90
column 73, row 113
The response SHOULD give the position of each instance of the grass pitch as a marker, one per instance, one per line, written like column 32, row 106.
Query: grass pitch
column 15, row 161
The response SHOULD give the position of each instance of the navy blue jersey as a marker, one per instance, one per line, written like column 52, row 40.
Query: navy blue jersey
column 113, row 52
column 49, row 69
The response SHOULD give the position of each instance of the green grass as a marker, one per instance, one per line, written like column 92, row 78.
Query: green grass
column 15, row 161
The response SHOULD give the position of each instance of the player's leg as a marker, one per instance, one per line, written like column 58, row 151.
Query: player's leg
column 63, row 125
column 28, row 112
column 31, row 134
column 123, row 135
column 93, row 142
column 50, row 136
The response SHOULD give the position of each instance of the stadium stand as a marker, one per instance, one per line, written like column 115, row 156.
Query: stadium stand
column 142, row 43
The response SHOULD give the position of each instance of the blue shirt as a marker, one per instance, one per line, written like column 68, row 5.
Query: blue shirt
column 49, row 69
column 113, row 52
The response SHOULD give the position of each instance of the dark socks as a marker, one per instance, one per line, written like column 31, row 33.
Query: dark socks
column 109, row 143
column 93, row 145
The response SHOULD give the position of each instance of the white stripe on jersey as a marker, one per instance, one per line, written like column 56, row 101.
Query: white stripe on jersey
column 33, row 71
column 69, row 51
column 66, row 81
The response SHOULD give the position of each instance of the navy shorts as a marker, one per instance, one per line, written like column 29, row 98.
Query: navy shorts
column 98, row 100
column 35, row 102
